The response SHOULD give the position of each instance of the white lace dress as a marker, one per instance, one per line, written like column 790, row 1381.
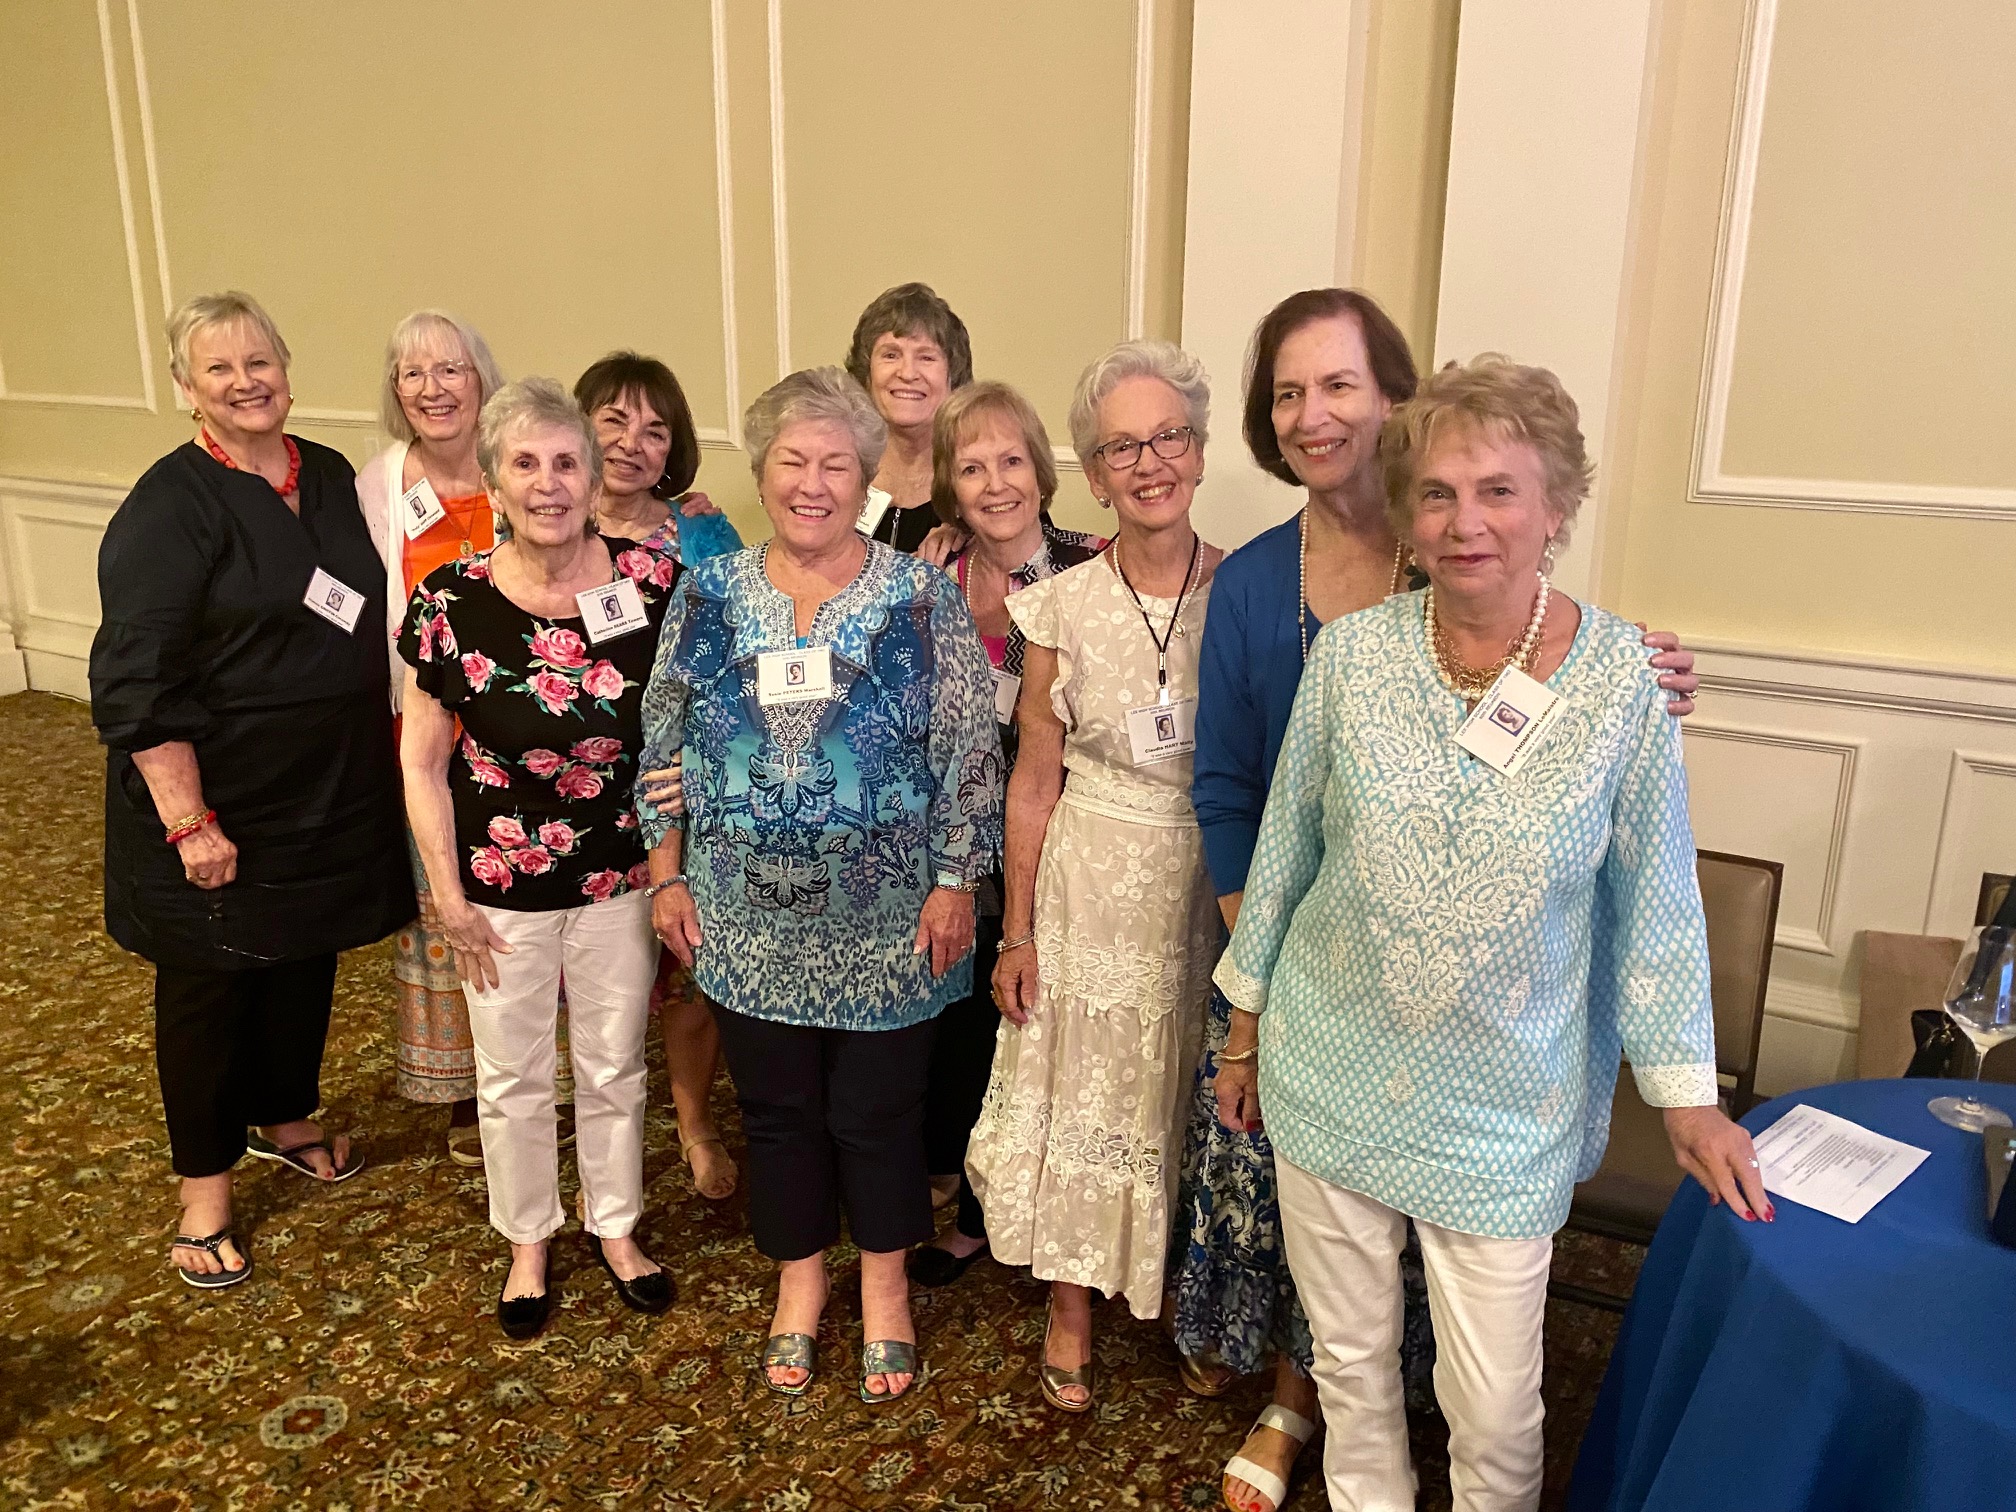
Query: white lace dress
column 1075, row 1154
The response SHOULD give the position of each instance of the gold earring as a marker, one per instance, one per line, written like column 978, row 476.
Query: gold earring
column 195, row 414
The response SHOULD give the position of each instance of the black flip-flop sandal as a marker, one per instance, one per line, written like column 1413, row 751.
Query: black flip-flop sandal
column 209, row 1280
column 295, row 1155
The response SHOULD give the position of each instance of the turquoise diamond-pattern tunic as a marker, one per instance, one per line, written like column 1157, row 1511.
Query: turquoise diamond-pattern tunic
column 1446, row 960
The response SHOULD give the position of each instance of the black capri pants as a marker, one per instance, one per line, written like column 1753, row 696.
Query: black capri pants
column 835, row 1121
column 238, row 1048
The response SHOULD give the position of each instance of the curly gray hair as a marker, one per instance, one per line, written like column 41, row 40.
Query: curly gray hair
column 1138, row 359
column 815, row 394
column 534, row 402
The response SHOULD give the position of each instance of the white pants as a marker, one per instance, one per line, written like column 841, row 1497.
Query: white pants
column 609, row 955
column 1488, row 1299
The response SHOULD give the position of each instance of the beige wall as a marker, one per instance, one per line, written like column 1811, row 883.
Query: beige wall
column 550, row 173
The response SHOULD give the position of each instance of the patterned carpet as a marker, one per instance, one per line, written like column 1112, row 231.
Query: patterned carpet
column 361, row 1368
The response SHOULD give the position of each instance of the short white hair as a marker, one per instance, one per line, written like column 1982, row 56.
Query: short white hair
column 416, row 333
column 815, row 394
column 1138, row 359
column 534, row 402
column 200, row 312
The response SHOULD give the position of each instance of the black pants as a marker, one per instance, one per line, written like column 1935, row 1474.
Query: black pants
column 962, row 1063
column 237, row 1048
column 834, row 1119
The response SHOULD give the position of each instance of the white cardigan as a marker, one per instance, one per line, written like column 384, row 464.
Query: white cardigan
column 380, row 482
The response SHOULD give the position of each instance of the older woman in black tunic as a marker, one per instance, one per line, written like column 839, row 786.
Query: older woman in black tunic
column 252, row 818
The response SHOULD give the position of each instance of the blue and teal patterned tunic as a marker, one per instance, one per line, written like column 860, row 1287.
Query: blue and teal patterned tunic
column 1447, row 960
column 814, row 831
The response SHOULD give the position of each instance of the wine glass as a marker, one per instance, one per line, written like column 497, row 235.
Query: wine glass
column 1981, row 999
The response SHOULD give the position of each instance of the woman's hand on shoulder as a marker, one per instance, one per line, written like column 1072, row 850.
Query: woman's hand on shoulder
column 945, row 928
column 1015, row 982
column 208, row 859
column 695, row 503
column 1676, row 670
column 942, row 544
column 1717, row 1152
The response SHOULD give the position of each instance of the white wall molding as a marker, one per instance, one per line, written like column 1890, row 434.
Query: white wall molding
column 340, row 419
column 49, row 534
column 1711, row 482
column 1140, row 149
column 1856, row 682
column 724, row 215
column 780, row 233
column 150, row 156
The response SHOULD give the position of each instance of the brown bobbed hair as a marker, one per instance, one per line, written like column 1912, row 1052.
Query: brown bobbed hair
column 1392, row 364
column 620, row 373
column 959, row 420
column 1493, row 396
column 912, row 309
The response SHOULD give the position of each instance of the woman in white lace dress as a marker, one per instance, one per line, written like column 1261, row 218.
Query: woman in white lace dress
column 1110, row 928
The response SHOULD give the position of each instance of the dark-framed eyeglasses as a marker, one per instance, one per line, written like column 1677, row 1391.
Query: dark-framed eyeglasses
column 450, row 375
column 1123, row 455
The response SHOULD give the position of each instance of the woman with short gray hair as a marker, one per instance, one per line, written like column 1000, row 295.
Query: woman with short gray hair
column 842, row 803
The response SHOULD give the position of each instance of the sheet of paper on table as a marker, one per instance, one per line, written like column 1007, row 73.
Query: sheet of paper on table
column 1821, row 1160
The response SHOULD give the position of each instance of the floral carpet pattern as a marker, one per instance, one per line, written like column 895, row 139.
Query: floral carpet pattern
column 361, row 1367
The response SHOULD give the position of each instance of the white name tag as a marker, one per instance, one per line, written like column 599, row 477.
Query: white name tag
column 1159, row 731
column 611, row 610
column 784, row 677
column 1007, row 689
column 1513, row 717
column 872, row 512
column 336, row 601
column 421, row 509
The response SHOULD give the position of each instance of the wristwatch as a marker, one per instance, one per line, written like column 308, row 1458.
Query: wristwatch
column 957, row 884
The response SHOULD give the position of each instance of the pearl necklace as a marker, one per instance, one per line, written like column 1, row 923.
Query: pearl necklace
column 1302, row 580
column 1472, row 683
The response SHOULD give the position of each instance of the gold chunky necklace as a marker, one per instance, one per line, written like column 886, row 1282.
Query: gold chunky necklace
column 1472, row 683
column 1302, row 580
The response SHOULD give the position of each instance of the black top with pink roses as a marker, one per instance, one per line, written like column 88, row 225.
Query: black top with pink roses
column 542, row 771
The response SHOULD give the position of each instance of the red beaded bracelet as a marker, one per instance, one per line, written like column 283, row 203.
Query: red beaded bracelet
column 190, row 826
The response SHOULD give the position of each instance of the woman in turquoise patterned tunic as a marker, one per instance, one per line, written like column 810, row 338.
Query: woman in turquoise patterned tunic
column 842, row 791
column 1443, row 947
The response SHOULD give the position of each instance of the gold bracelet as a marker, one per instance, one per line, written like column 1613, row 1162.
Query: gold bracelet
column 1237, row 1058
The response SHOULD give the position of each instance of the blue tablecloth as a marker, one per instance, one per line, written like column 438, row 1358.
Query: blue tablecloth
column 1811, row 1365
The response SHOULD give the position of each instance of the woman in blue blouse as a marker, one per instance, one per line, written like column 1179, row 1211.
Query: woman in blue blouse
column 1440, row 954
column 842, row 791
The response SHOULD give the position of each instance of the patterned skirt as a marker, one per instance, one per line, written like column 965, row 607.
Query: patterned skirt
column 437, row 1057
column 1234, row 1297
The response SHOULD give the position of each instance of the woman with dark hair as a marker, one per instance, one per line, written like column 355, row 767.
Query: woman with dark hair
column 909, row 351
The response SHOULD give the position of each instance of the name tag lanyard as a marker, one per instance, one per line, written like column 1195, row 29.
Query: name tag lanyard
column 1162, row 640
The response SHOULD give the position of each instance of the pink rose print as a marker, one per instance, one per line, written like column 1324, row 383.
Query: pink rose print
column 553, row 691
column 601, row 886
column 559, row 648
column 533, row 860
column 507, row 832
column 477, row 670
column 487, row 866
column 484, row 770
column 639, row 875
column 425, row 649
column 603, row 681
column 598, row 749
column 556, row 834
column 578, row 782
column 444, row 637
column 635, row 564
column 476, row 567
column 626, row 820
column 663, row 570
column 541, row 763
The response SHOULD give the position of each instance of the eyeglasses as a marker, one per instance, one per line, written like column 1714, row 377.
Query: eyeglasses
column 450, row 375
column 1168, row 445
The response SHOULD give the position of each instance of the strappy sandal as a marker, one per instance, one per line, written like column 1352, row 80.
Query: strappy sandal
column 465, row 1145
column 687, row 1146
column 1054, row 1378
column 887, row 1357
column 1197, row 1376
column 296, row 1156
column 1259, row 1477
column 789, row 1351
column 213, row 1280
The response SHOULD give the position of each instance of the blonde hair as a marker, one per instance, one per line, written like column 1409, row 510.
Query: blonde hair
column 202, row 311
column 959, row 420
column 1498, row 397
column 408, row 337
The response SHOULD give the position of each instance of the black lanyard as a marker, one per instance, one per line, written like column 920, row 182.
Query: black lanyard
column 1162, row 640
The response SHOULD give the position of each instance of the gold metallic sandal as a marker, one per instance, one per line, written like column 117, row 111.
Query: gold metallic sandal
column 1053, row 1379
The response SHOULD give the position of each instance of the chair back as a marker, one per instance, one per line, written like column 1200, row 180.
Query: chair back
column 1739, row 895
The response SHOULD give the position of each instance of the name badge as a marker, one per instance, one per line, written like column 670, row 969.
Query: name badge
column 421, row 509
column 872, row 512
column 336, row 601
column 1007, row 689
column 1512, row 719
column 784, row 677
column 1160, row 732
column 611, row 610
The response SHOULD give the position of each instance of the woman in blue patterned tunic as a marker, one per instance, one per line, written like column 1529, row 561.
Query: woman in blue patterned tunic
column 1440, row 954
column 842, row 792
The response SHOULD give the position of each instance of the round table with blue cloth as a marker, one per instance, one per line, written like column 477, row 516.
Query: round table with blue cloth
column 1818, row 1365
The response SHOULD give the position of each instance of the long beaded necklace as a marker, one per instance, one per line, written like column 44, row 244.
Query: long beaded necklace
column 1472, row 683
column 293, row 463
column 1302, row 580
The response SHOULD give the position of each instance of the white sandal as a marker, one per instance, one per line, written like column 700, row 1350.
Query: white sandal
column 1259, row 1477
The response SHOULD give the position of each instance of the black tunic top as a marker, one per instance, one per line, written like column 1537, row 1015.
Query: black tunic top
column 204, row 637
column 541, row 776
column 905, row 529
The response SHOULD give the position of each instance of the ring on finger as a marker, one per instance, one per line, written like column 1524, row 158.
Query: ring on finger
column 1754, row 1166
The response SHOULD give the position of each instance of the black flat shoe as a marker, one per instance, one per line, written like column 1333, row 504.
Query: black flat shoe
column 524, row 1317
column 646, row 1294
column 929, row 1265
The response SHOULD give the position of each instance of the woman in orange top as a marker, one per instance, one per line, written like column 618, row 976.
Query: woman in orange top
column 423, row 498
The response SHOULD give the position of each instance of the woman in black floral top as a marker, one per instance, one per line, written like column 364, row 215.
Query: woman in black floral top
column 520, row 750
